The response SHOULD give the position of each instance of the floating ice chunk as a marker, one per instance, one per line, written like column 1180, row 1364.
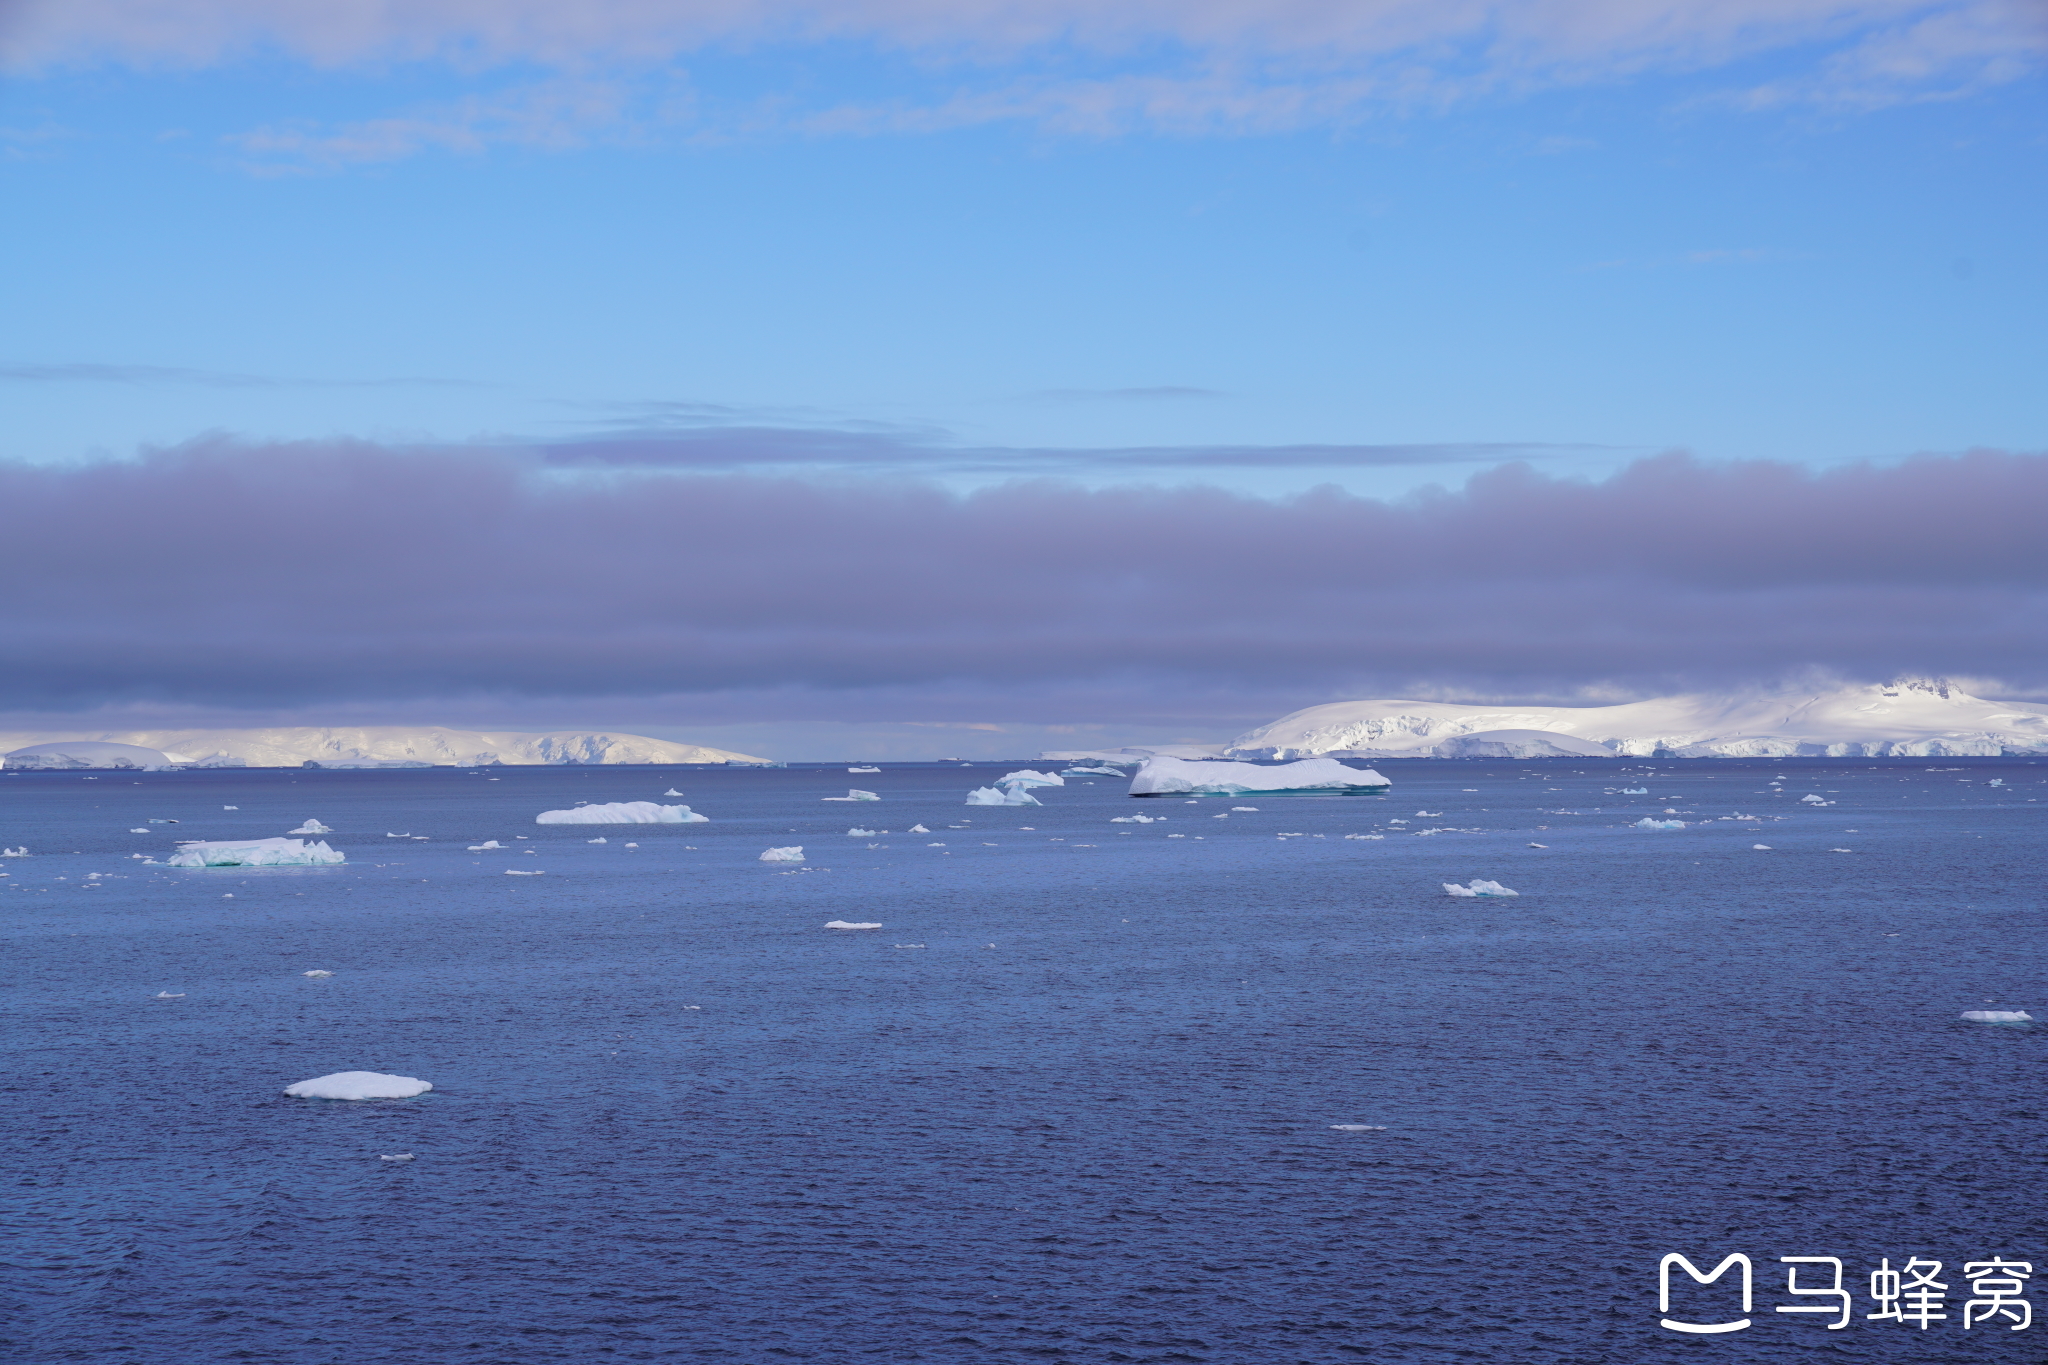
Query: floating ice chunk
column 155, row 821
column 525, row 872
column 1647, row 823
column 1841, row 850
column 311, row 827
column 1998, row 1016
column 1132, row 820
column 1244, row 808
column 1479, row 887
column 255, row 853
column 488, row 843
column 1812, row 799
column 21, row 852
column 793, row 854
column 1008, row 796
column 1091, row 772
column 630, row 845
column 1765, row 847
column 359, row 1085
column 917, row 829
column 1539, row 845
column 166, row 995
column 400, row 1156
column 852, row 794
column 1163, row 776
column 622, row 813
column 600, row 839
column 1432, row 814
column 848, row 924
column 671, row 792
column 1360, row 1127
column 864, row 770
column 1028, row 777
column 145, row 829
column 317, row 974
column 1635, row 791
column 858, row 833
column 1365, row 836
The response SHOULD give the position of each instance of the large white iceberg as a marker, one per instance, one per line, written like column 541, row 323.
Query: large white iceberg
column 359, row 1085
column 852, row 794
column 89, row 753
column 1998, row 1016
column 1479, row 887
column 793, row 854
column 1007, row 796
column 1176, row 776
column 255, row 853
column 622, row 813
column 1026, row 777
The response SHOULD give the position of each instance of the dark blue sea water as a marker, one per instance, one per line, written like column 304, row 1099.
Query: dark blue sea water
column 1074, row 1102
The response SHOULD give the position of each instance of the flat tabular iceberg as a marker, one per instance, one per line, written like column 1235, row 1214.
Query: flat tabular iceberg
column 255, row 853
column 622, row 813
column 852, row 794
column 359, row 1085
column 1008, row 796
column 1479, row 887
column 793, row 854
column 848, row 924
column 1998, row 1016
column 1176, row 776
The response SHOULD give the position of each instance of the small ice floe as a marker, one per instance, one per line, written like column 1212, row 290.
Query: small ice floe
column 904, row 945
column 21, row 852
column 399, row 1156
column 154, row 821
column 1365, row 836
column 230, row 807
column 1647, row 823
column 1998, row 1016
column 629, row 845
column 1132, row 819
column 317, row 974
column 1479, row 887
column 671, row 792
column 917, row 829
column 166, row 995
column 864, row 770
column 1244, row 808
column 311, row 827
column 389, row 835
column 1432, row 814
column 852, row 794
column 1765, row 847
column 359, row 1085
column 1841, row 850
column 858, row 833
column 525, row 872
column 622, row 813
column 848, row 924
column 1539, row 845
column 600, row 839
column 1027, row 777
column 1811, row 799
column 1007, row 796
column 1635, row 791
column 793, row 854
column 1360, row 1127
column 1090, row 772
column 488, row 843
column 256, row 853
column 143, row 830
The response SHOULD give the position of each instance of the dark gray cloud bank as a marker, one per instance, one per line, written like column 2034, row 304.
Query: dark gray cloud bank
column 269, row 578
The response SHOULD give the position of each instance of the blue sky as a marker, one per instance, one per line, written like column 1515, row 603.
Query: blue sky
column 1377, row 244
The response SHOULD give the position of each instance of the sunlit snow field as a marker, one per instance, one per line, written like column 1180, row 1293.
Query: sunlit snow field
column 1075, row 1101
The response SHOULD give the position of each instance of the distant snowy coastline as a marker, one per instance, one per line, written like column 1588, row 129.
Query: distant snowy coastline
column 386, row 746
column 1909, row 718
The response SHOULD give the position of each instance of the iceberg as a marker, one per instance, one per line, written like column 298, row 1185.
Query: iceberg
column 316, row 974
column 1009, row 796
column 793, row 854
column 255, row 853
column 864, row 770
column 311, row 827
column 67, row 754
column 852, row 794
column 359, row 1085
column 622, row 813
column 524, row 872
column 1479, row 887
column 671, row 792
column 488, row 843
column 1998, row 1016
column 1178, row 776
column 1810, row 799
column 848, row 924
column 917, row 829
column 1647, row 823
column 1026, row 777
column 858, row 833
column 1103, row 771
column 1137, row 819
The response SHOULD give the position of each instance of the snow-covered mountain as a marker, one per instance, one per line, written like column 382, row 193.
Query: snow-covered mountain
column 293, row 746
column 1918, row 717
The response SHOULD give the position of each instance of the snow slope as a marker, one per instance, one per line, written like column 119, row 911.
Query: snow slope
column 292, row 746
column 1913, row 717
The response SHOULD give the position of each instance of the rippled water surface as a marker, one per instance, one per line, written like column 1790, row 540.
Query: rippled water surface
column 1076, row 1100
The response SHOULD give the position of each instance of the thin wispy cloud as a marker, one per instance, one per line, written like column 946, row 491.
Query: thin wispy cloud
column 86, row 373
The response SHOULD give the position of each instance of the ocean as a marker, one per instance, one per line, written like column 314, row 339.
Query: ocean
column 1227, row 1086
